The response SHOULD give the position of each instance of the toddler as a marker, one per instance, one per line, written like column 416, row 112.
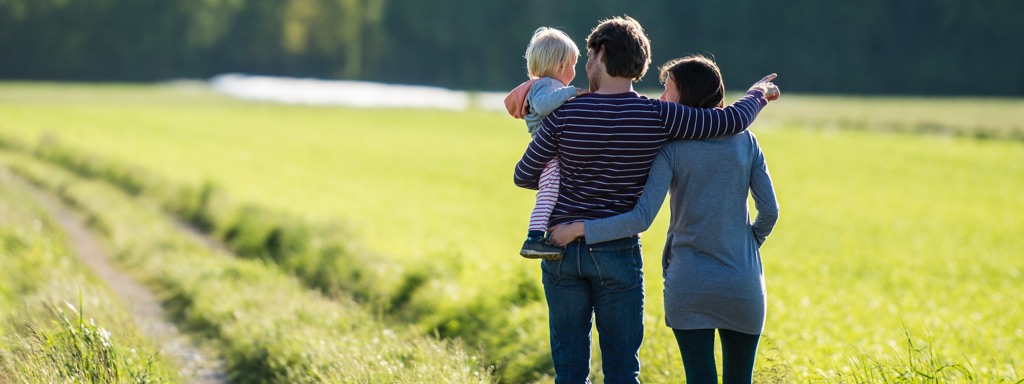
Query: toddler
column 551, row 64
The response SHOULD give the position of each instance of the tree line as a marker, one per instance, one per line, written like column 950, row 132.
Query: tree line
column 940, row 47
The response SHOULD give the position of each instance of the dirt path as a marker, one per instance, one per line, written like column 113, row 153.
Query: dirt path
column 149, row 316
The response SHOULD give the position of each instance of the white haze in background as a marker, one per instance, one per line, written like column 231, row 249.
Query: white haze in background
column 358, row 94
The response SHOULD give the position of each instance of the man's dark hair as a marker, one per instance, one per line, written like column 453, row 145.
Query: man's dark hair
column 627, row 51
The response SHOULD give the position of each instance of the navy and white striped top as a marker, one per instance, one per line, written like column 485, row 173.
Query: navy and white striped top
column 606, row 144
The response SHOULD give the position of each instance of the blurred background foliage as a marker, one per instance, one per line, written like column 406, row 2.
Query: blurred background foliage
column 914, row 47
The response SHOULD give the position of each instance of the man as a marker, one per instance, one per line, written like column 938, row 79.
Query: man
column 606, row 142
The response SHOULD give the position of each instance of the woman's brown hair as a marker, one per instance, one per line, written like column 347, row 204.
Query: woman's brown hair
column 698, row 81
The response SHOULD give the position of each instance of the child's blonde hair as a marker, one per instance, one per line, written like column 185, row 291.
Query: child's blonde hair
column 548, row 51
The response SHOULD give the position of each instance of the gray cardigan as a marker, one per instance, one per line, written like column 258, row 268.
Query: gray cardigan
column 712, row 260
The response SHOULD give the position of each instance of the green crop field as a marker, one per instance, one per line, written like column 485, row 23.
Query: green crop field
column 897, row 253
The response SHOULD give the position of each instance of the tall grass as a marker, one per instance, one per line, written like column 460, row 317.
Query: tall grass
column 330, row 258
column 909, row 362
column 270, row 328
column 44, row 338
column 74, row 350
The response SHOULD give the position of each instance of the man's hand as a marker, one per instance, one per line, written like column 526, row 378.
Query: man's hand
column 563, row 234
column 769, row 89
column 515, row 101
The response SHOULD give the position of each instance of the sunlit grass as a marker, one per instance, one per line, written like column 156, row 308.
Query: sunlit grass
column 268, row 327
column 978, row 117
column 880, row 233
column 57, row 323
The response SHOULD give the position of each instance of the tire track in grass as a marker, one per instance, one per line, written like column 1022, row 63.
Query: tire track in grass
column 335, row 268
column 149, row 316
column 270, row 327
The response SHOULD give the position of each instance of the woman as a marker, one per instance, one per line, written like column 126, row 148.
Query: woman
column 712, row 263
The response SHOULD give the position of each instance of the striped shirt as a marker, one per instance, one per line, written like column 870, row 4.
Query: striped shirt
column 606, row 144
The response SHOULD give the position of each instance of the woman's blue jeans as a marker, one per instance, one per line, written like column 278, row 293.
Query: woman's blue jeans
column 604, row 282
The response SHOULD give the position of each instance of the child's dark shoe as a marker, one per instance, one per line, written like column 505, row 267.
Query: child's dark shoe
column 538, row 248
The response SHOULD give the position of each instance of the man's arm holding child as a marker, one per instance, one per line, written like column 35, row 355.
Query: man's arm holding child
column 541, row 150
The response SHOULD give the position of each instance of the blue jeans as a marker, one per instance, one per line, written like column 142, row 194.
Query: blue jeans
column 601, row 281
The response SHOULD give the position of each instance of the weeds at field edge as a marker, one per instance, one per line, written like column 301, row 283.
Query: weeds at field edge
column 323, row 257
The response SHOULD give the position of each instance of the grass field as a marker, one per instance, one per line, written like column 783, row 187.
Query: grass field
column 895, row 252
column 59, row 323
column 277, row 331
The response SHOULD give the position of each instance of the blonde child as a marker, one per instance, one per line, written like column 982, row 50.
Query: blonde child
column 551, row 63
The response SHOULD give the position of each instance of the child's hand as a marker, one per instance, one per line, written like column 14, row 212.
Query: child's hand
column 581, row 91
column 770, row 90
column 515, row 101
